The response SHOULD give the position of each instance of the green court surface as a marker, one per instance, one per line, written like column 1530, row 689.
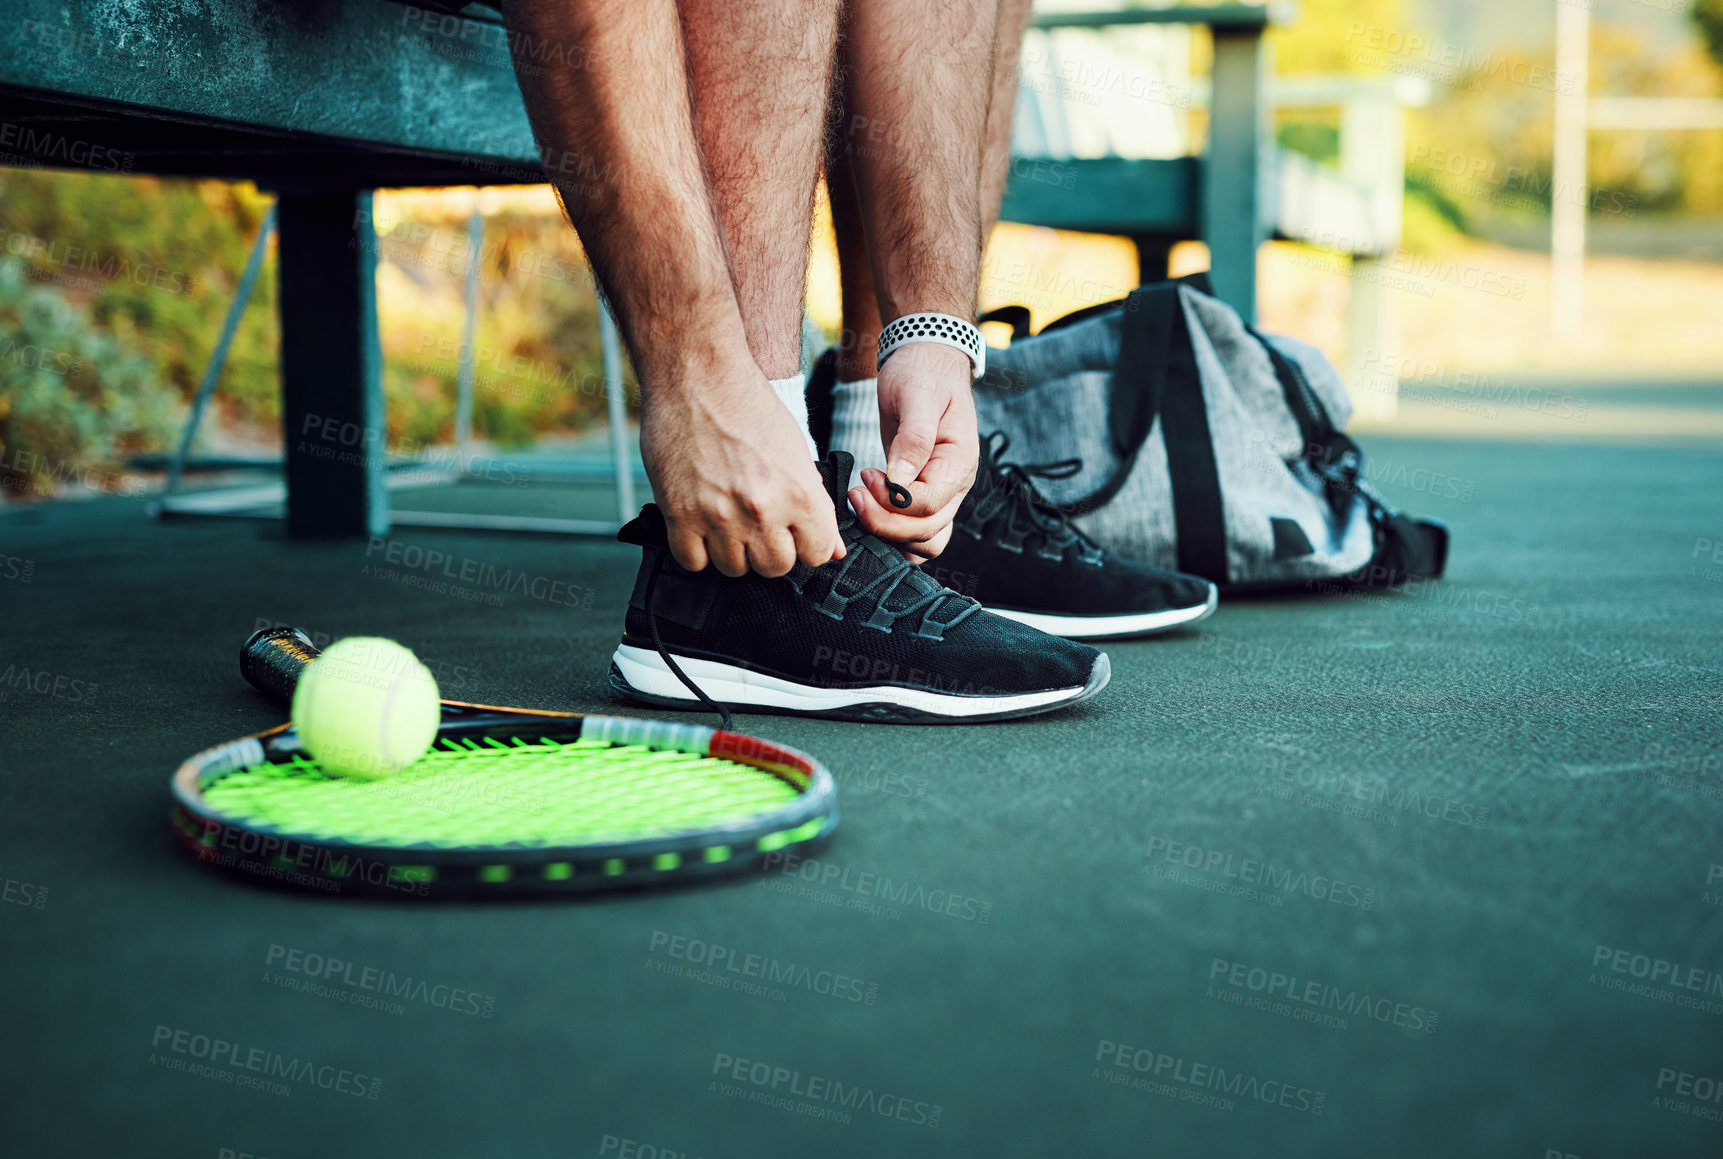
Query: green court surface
column 1426, row 874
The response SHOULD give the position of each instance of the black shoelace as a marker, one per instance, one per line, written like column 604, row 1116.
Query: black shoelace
column 1011, row 488
column 835, row 603
column 881, row 587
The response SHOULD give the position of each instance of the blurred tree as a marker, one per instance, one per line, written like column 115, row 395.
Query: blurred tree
column 155, row 262
column 147, row 269
column 536, row 359
column 1336, row 35
column 76, row 400
column 1487, row 139
column 1708, row 16
column 1482, row 147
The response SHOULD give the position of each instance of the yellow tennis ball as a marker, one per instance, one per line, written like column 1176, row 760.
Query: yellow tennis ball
column 366, row 707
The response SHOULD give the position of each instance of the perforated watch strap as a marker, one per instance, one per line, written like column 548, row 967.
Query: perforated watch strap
column 942, row 328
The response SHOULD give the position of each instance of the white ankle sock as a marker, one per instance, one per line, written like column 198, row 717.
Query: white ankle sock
column 793, row 393
column 855, row 424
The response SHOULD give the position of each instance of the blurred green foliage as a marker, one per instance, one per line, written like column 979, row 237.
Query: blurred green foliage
column 1708, row 17
column 132, row 276
column 1482, row 148
column 1429, row 221
column 537, row 365
column 1318, row 140
column 156, row 262
column 77, row 398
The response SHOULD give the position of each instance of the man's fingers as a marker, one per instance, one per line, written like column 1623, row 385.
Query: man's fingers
column 950, row 473
column 818, row 544
column 879, row 488
column 929, row 549
column 911, row 448
column 897, row 526
column 772, row 553
column 729, row 555
column 687, row 549
column 911, row 440
column 947, row 476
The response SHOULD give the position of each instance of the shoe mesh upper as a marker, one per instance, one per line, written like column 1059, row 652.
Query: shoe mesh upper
column 927, row 637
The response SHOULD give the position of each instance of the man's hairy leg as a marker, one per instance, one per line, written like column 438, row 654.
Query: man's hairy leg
column 856, row 420
column 916, row 82
column 1001, row 105
column 616, row 130
column 760, row 71
column 860, row 307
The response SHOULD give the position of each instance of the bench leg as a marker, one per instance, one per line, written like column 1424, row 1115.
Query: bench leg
column 1238, row 168
column 1372, row 338
column 331, row 366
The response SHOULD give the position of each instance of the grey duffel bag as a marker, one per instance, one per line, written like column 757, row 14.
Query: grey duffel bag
column 1174, row 433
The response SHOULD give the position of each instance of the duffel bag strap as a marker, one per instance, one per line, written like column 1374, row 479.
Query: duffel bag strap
column 1138, row 376
column 1156, row 378
column 1193, row 476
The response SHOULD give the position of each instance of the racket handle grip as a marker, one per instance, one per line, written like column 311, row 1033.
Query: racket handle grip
column 273, row 658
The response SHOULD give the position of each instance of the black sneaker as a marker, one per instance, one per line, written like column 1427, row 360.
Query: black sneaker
column 1018, row 554
column 867, row 637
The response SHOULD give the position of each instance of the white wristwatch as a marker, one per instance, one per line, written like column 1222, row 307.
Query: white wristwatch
column 941, row 328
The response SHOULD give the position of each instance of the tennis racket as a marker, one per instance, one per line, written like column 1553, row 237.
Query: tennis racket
column 508, row 801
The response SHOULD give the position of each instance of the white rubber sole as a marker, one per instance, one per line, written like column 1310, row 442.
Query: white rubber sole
column 1106, row 627
column 642, row 672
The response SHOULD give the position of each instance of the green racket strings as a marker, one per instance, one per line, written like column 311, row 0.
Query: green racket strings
column 494, row 791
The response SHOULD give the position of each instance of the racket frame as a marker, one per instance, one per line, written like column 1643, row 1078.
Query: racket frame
column 429, row 870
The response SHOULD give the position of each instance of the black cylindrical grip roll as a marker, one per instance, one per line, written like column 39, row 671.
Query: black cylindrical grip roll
column 273, row 658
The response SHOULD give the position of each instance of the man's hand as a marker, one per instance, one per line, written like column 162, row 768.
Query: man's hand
column 731, row 472
column 927, row 421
